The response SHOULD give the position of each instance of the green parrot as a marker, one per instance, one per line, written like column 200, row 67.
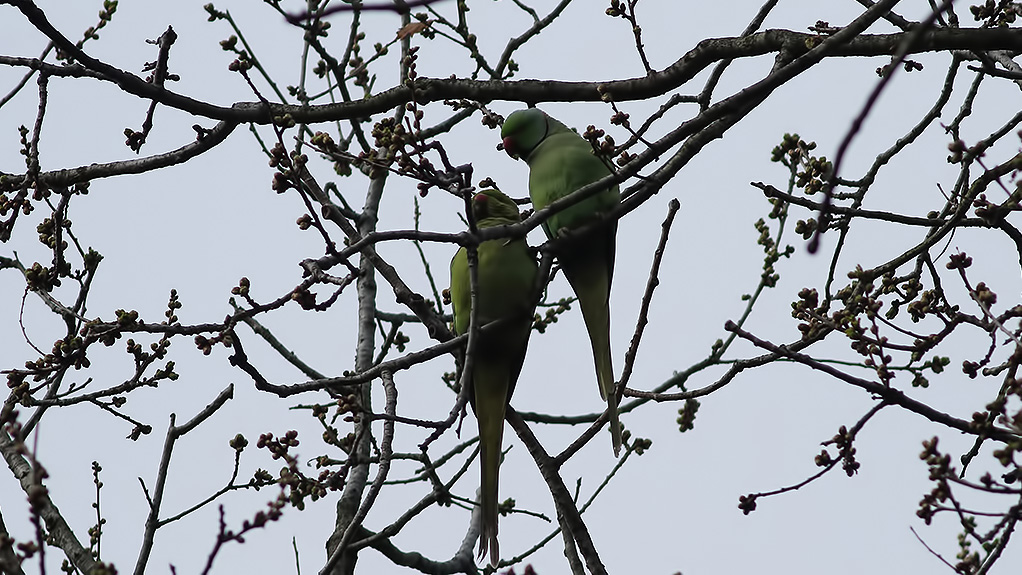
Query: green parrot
column 506, row 279
column 560, row 162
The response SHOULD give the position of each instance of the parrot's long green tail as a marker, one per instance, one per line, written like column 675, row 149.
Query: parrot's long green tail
column 491, row 384
column 590, row 280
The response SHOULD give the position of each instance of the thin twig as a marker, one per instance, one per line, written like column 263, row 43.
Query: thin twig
column 654, row 280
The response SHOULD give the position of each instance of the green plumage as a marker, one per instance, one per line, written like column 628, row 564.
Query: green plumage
column 560, row 162
column 506, row 279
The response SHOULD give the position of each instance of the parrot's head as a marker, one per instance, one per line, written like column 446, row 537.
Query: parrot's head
column 495, row 206
column 523, row 130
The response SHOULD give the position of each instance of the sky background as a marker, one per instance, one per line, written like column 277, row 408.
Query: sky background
column 201, row 226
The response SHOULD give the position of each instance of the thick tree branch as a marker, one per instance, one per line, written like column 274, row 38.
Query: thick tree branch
column 57, row 528
column 566, row 510
column 425, row 90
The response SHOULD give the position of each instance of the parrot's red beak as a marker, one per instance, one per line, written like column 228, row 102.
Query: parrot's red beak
column 479, row 206
column 509, row 147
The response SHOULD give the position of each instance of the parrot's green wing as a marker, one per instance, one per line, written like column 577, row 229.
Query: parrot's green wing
column 560, row 162
column 506, row 279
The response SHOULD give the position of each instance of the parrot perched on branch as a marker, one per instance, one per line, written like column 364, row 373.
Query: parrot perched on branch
column 506, row 279
column 560, row 162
